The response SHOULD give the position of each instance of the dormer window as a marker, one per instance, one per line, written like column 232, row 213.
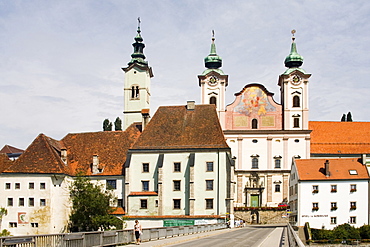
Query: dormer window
column 254, row 124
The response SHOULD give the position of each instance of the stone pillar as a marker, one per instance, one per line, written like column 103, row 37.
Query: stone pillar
column 192, row 194
column 269, row 188
column 285, row 185
column 160, row 191
column 240, row 187
column 269, row 152
column 240, row 152
column 286, row 159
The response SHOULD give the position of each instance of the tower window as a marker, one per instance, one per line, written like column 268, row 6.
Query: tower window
column 277, row 187
column 255, row 163
column 213, row 100
column 135, row 92
column 296, row 101
column 277, row 163
column 296, row 122
column 254, row 124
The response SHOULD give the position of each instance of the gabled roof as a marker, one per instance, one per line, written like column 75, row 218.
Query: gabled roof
column 340, row 137
column 7, row 149
column 110, row 146
column 42, row 156
column 176, row 127
column 314, row 169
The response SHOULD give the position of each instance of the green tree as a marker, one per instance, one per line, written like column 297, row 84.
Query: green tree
column 343, row 118
column 107, row 125
column 118, row 124
column 91, row 207
column 365, row 231
column 349, row 117
column 346, row 231
column 3, row 212
column 4, row 233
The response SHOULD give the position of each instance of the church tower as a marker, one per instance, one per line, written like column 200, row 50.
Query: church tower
column 294, row 91
column 137, row 85
column 213, row 83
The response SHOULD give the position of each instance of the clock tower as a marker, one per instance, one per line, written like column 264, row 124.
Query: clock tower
column 137, row 85
column 213, row 83
column 294, row 91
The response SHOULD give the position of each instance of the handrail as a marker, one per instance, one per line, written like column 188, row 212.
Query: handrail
column 293, row 238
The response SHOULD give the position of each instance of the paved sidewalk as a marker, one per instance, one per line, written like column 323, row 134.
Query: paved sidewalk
column 181, row 239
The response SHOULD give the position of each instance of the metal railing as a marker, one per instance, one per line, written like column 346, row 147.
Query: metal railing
column 293, row 238
column 104, row 238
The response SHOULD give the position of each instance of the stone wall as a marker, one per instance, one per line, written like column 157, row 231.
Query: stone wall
column 262, row 217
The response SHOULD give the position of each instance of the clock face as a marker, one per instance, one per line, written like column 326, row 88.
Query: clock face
column 296, row 80
column 212, row 81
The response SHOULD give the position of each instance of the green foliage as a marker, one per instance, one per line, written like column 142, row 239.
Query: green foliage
column 365, row 231
column 3, row 212
column 4, row 233
column 344, row 231
column 319, row 234
column 90, row 207
column 118, row 124
column 349, row 117
column 343, row 118
column 107, row 125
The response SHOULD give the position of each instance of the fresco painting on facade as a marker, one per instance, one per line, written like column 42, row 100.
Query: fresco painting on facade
column 254, row 101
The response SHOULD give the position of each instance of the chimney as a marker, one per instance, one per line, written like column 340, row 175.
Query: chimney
column 327, row 172
column 145, row 118
column 63, row 155
column 363, row 159
column 95, row 164
column 190, row 105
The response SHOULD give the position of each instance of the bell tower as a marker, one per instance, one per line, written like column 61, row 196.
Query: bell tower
column 294, row 91
column 137, row 85
column 213, row 82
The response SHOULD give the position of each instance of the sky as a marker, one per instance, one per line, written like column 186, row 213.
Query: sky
column 60, row 61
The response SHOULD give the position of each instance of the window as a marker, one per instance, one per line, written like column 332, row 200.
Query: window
column 315, row 189
column 31, row 202
column 209, row 184
column 7, row 186
column 254, row 140
column 156, row 203
column 333, row 220
column 17, row 186
column 315, row 206
column 209, row 166
column 296, row 122
column 177, row 167
column 277, row 187
column 277, row 163
column 213, row 100
column 135, row 92
column 42, row 186
column 209, row 203
column 254, row 163
column 333, row 188
column 10, row 202
column 12, row 224
column 35, row 225
column 176, row 203
column 333, row 206
column 143, row 203
column 352, row 205
column 145, row 167
column 254, row 124
column 145, row 185
column 176, row 185
column 111, row 184
column 120, row 203
column 31, row 186
column 352, row 220
column 353, row 172
column 296, row 101
column 42, row 202
column 21, row 202
column 353, row 188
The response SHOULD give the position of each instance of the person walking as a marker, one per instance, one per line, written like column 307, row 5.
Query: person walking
column 137, row 231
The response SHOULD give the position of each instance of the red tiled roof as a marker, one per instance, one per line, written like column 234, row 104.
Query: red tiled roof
column 110, row 146
column 42, row 156
column 175, row 127
column 314, row 169
column 340, row 137
column 7, row 149
column 5, row 162
column 118, row 211
column 143, row 193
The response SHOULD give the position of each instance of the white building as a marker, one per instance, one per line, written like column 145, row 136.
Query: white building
column 329, row 192
column 180, row 165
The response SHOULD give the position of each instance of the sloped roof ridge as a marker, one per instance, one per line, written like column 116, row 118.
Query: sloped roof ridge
column 10, row 149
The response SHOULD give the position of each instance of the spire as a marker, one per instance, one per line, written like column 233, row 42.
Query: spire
column 213, row 61
column 293, row 60
column 138, row 55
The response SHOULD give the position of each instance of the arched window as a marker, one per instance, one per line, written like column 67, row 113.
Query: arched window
column 132, row 92
column 296, row 122
column 213, row 100
column 296, row 101
column 277, row 187
column 254, row 124
column 277, row 163
column 137, row 92
column 255, row 163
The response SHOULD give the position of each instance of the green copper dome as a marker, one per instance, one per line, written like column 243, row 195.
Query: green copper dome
column 293, row 60
column 213, row 61
column 138, row 55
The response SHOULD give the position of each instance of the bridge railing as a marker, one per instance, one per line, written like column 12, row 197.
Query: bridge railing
column 104, row 238
column 293, row 238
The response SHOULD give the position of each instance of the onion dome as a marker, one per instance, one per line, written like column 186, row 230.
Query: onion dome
column 293, row 60
column 138, row 55
column 213, row 61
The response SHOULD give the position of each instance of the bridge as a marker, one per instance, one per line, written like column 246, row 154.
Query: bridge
column 215, row 235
